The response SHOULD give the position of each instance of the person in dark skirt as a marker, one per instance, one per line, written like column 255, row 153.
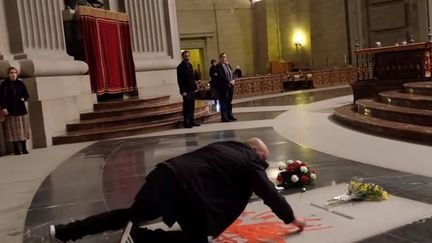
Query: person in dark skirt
column 13, row 94
column 205, row 191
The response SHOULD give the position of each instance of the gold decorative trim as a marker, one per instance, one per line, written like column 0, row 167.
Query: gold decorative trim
column 101, row 13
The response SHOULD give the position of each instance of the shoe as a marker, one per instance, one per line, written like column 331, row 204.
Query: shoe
column 225, row 120
column 232, row 118
column 127, row 234
column 187, row 126
column 25, row 152
column 52, row 235
column 16, row 148
column 195, row 124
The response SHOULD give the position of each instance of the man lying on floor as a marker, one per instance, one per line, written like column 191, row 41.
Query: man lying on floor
column 205, row 191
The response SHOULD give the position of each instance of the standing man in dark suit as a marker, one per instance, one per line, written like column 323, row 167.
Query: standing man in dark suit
column 188, row 88
column 225, row 87
column 212, row 69
column 205, row 191
column 212, row 72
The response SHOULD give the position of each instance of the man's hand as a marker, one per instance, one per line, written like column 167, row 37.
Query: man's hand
column 184, row 94
column 232, row 82
column 299, row 223
column 5, row 112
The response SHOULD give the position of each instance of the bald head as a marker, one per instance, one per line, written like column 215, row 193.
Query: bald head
column 259, row 147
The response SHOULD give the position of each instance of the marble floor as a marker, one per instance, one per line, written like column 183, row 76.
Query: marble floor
column 61, row 183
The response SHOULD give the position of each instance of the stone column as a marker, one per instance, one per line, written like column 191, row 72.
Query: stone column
column 155, row 44
column 37, row 30
column 423, row 20
column 151, row 33
column 4, row 42
column 58, row 89
column 268, row 40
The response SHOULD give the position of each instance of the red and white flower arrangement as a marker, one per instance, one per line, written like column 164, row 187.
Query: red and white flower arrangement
column 295, row 173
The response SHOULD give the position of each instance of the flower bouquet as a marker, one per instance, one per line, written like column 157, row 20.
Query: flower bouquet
column 358, row 191
column 295, row 173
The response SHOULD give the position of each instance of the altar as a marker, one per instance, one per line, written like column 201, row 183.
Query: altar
column 387, row 68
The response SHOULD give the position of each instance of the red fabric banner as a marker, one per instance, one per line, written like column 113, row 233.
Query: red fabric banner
column 108, row 50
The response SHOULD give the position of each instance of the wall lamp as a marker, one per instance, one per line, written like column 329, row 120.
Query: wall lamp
column 299, row 38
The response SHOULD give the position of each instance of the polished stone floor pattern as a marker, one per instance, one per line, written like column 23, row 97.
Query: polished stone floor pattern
column 107, row 175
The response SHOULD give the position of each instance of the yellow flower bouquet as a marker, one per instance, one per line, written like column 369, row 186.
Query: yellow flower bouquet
column 358, row 191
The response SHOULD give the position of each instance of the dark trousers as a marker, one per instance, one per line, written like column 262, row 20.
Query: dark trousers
column 160, row 196
column 189, row 108
column 225, row 99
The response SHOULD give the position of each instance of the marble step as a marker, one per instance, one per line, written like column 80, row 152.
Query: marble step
column 399, row 98
column 129, row 130
column 420, row 88
column 130, row 110
column 149, row 117
column 349, row 116
column 371, row 107
column 131, row 102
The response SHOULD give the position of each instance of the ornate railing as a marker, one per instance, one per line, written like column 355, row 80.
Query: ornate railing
column 410, row 61
column 261, row 85
column 272, row 84
column 333, row 77
column 388, row 68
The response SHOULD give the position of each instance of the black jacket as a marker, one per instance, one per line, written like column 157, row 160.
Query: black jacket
column 11, row 95
column 221, row 79
column 220, row 178
column 212, row 71
column 186, row 78
column 237, row 73
column 212, row 76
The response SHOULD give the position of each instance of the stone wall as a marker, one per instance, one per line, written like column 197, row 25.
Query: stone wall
column 328, row 34
column 267, row 34
column 324, row 23
column 216, row 26
column 387, row 21
column 294, row 20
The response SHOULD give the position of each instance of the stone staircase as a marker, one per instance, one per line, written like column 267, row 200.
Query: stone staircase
column 128, row 117
column 404, row 114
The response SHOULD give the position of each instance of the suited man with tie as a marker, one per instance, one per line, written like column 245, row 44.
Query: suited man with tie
column 224, row 83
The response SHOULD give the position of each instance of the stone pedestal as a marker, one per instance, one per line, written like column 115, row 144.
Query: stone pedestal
column 59, row 101
column 35, row 45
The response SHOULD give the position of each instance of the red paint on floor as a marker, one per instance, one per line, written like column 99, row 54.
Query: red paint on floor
column 264, row 227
